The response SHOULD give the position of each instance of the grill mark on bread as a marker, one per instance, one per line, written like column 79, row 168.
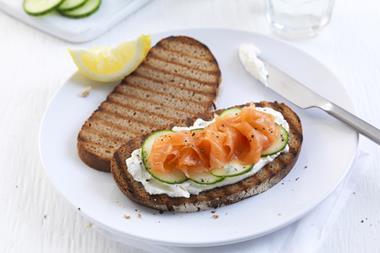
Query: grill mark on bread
column 105, row 127
column 136, row 105
column 172, row 50
column 188, row 49
column 98, row 138
column 257, row 183
column 172, row 61
column 188, row 60
column 180, row 112
column 116, row 107
column 93, row 147
column 106, row 122
column 190, row 96
column 132, row 120
column 101, row 134
column 134, row 127
column 156, row 97
column 168, row 78
column 177, row 74
column 207, row 92
column 183, row 71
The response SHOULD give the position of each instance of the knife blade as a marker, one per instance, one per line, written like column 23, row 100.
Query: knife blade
column 303, row 97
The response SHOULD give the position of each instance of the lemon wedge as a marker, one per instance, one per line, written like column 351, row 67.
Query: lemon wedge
column 106, row 64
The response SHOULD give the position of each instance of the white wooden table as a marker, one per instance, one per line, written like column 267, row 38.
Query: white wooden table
column 35, row 218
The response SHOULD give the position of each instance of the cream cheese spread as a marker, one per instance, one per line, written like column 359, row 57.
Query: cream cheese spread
column 248, row 54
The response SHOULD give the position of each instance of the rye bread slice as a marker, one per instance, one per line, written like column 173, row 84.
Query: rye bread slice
column 271, row 174
column 178, row 80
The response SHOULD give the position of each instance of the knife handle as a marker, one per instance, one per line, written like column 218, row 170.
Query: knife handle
column 350, row 119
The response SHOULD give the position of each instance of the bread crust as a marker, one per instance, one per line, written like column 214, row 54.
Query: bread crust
column 88, row 150
column 261, row 181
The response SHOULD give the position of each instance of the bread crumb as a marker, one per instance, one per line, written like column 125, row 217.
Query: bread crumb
column 139, row 215
column 215, row 216
column 127, row 216
column 297, row 178
column 213, row 211
column 86, row 91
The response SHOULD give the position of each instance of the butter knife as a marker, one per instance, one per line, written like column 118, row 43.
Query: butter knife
column 303, row 97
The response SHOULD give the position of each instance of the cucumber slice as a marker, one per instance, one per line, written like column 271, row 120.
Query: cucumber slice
column 232, row 170
column 40, row 7
column 204, row 178
column 68, row 5
column 175, row 177
column 279, row 144
column 230, row 112
column 85, row 10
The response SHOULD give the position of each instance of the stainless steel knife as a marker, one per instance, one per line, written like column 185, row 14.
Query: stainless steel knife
column 303, row 97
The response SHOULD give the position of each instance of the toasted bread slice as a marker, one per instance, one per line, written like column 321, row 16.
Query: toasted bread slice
column 271, row 174
column 178, row 79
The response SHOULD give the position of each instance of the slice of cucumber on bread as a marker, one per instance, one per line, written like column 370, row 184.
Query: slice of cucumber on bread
column 178, row 79
column 261, row 181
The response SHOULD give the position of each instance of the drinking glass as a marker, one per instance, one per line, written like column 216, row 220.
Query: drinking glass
column 298, row 19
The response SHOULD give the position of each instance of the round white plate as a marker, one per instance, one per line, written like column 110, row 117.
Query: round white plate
column 327, row 153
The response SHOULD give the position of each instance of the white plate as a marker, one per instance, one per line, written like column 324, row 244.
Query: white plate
column 328, row 150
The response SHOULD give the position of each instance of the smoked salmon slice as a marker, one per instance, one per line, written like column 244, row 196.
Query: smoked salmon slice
column 239, row 137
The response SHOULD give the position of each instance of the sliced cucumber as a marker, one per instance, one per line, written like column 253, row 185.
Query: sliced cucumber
column 40, row 7
column 174, row 177
column 204, row 178
column 85, row 10
column 230, row 112
column 68, row 5
column 148, row 142
column 279, row 144
column 231, row 170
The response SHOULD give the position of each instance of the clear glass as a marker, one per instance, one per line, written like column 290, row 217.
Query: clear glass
column 299, row 19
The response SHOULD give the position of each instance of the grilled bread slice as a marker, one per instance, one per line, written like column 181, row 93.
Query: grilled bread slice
column 271, row 174
column 178, row 79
